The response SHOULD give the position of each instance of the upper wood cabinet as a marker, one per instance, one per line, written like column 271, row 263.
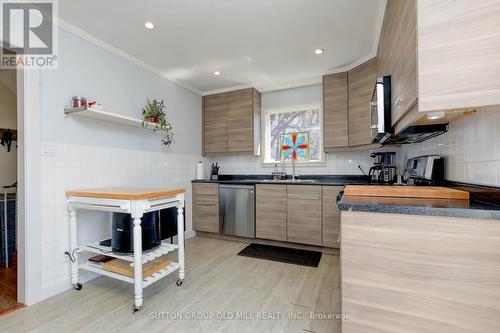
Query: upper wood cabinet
column 458, row 54
column 215, row 124
column 231, row 122
column 335, row 111
column 397, row 55
column 361, row 82
column 441, row 55
column 346, row 107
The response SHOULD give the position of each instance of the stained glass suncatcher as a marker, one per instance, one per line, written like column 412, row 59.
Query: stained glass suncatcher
column 295, row 145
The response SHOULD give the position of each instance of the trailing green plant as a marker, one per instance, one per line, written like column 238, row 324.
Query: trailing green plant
column 154, row 115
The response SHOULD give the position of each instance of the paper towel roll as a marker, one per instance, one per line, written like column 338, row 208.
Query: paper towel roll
column 200, row 171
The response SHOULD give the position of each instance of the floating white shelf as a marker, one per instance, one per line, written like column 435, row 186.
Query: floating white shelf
column 93, row 113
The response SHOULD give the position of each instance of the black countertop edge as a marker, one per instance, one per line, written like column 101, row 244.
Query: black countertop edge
column 332, row 180
column 480, row 193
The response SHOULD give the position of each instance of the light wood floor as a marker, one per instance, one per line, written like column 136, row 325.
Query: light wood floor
column 8, row 288
column 217, row 280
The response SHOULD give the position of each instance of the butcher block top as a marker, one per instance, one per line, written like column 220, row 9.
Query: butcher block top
column 127, row 193
column 404, row 191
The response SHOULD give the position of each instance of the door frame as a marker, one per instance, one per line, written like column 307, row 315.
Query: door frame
column 29, row 282
column 29, row 239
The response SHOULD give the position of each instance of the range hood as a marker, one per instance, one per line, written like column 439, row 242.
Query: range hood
column 382, row 131
column 416, row 134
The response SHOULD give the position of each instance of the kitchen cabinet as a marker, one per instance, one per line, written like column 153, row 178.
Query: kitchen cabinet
column 231, row 122
column 303, row 207
column 428, row 272
column 206, row 207
column 397, row 55
column 331, row 216
column 361, row 82
column 215, row 124
column 458, row 54
column 271, row 212
column 405, row 78
column 335, row 111
column 438, row 63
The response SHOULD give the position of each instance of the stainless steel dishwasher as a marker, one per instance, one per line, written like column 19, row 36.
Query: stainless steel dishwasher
column 237, row 210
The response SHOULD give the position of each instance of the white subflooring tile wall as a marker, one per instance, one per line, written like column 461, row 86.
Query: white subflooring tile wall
column 83, row 166
column 471, row 149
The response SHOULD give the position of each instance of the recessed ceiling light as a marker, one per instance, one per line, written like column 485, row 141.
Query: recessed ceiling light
column 217, row 73
column 149, row 25
column 288, row 85
column 319, row 51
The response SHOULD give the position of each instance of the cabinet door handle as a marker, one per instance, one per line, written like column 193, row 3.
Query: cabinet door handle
column 303, row 198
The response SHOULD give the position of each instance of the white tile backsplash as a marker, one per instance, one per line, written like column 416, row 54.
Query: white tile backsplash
column 471, row 149
column 81, row 166
column 337, row 163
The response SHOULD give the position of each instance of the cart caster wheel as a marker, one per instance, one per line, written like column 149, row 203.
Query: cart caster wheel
column 179, row 282
column 136, row 308
column 78, row 286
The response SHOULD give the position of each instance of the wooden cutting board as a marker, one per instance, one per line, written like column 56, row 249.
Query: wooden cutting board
column 404, row 191
column 123, row 267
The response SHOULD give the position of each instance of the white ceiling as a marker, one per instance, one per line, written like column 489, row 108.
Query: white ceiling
column 264, row 43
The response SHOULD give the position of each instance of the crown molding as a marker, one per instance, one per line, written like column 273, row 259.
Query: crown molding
column 120, row 53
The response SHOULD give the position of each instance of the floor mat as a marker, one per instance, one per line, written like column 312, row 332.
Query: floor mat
column 282, row 254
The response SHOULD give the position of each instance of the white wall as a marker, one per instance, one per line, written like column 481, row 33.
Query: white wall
column 90, row 153
column 471, row 149
column 8, row 119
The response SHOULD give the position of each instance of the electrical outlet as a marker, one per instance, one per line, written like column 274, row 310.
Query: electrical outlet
column 49, row 149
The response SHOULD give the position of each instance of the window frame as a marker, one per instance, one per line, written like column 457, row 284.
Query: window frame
column 266, row 138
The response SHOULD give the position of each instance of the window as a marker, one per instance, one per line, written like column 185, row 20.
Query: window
column 292, row 120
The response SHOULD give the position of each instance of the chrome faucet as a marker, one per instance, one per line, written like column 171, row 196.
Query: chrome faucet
column 293, row 166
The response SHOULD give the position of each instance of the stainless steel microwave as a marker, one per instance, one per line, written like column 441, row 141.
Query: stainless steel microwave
column 381, row 128
column 380, row 109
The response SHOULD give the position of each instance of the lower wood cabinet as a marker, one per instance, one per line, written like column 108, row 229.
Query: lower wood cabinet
column 304, row 214
column 270, row 217
column 331, row 216
column 206, row 207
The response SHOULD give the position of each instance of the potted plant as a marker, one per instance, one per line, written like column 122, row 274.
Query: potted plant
column 154, row 115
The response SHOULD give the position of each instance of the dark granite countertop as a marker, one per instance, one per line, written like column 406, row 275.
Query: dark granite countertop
column 325, row 180
column 477, row 207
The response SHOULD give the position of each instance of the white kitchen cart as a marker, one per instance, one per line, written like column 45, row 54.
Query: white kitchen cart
column 134, row 201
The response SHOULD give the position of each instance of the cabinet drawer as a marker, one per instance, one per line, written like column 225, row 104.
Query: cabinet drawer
column 207, row 199
column 305, row 192
column 207, row 209
column 210, row 189
column 271, row 190
column 207, row 223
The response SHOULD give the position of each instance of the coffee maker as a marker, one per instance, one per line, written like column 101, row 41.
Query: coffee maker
column 384, row 168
